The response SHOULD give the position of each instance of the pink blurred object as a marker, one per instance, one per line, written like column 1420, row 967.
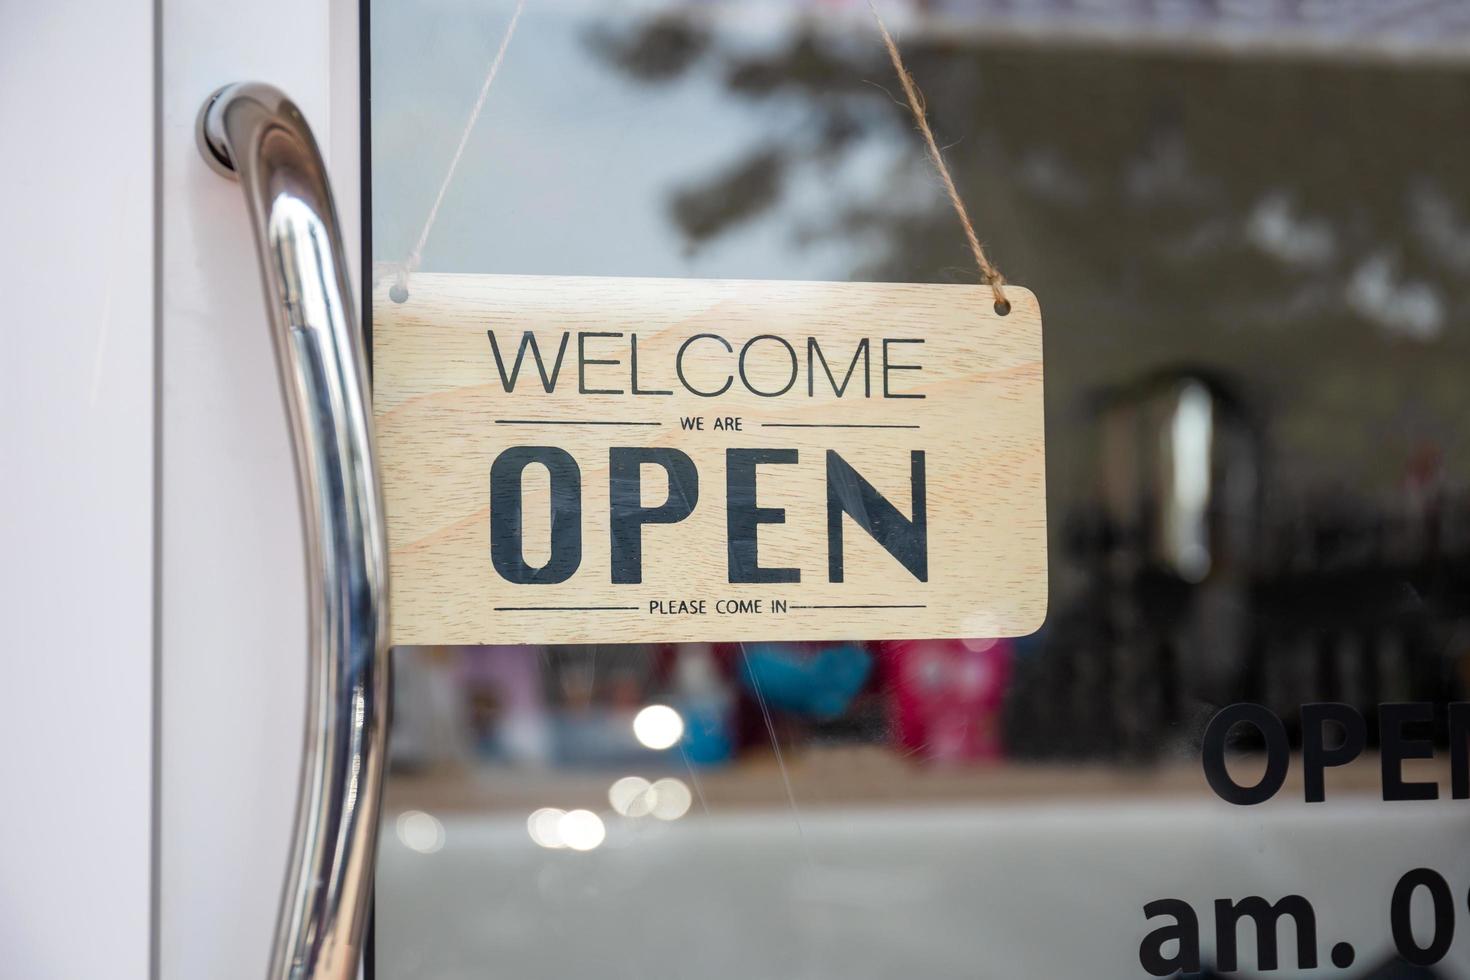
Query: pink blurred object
column 947, row 696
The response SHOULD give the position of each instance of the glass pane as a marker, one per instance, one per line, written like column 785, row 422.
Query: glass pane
column 1248, row 226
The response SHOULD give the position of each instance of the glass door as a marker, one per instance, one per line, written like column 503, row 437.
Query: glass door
column 1236, row 746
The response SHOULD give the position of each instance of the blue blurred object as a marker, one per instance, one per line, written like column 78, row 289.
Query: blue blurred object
column 706, row 733
column 706, row 700
column 818, row 685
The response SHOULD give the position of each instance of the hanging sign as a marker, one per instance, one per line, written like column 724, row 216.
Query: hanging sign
column 571, row 460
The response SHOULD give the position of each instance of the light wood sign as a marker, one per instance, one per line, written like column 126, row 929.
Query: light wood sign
column 572, row 460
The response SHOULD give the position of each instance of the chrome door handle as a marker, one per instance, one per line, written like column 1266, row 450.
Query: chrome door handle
column 253, row 133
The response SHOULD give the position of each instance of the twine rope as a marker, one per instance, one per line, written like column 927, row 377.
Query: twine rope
column 988, row 272
column 411, row 264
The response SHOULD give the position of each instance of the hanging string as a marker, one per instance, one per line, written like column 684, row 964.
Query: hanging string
column 988, row 272
column 399, row 292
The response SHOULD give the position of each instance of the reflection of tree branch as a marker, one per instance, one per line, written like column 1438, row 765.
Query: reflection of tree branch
column 735, row 195
column 804, row 66
column 1123, row 175
column 668, row 46
column 660, row 51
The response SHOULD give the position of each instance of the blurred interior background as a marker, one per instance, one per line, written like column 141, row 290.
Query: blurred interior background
column 1248, row 224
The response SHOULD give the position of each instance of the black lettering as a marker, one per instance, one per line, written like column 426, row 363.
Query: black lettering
column 679, row 366
column 1278, row 754
column 1265, row 917
column 745, row 379
column 1184, row 931
column 627, row 515
column 814, row 354
column 1460, row 750
column 583, row 360
column 1394, row 748
column 743, row 517
column 887, row 367
column 528, row 339
column 905, row 539
column 507, row 552
column 1316, row 756
column 1400, row 918
column 633, row 358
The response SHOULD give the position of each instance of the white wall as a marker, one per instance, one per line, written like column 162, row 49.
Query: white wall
column 76, row 488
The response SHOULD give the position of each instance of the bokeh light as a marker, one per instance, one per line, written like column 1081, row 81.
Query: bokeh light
column 631, row 796
column 544, row 827
column 671, row 799
column 658, row 726
column 420, row 831
column 581, row 830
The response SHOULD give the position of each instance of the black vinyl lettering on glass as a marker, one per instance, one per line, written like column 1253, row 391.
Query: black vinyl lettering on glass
column 1266, row 918
column 1184, row 931
column 1278, row 753
column 1400, row 908
column 1394, row 747
column 1316, row 756
column 507, row 551
column 627, row 515
column 1460, row 750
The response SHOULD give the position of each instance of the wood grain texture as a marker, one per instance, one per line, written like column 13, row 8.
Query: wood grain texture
column 444, row 415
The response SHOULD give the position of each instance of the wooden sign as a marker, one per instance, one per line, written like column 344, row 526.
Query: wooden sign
column 573, row 460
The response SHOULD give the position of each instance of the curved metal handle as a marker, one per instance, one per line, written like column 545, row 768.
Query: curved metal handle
column 252, row 132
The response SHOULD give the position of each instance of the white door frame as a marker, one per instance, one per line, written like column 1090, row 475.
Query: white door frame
column 155, row 660
column 233, row 637
column 77, row 84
